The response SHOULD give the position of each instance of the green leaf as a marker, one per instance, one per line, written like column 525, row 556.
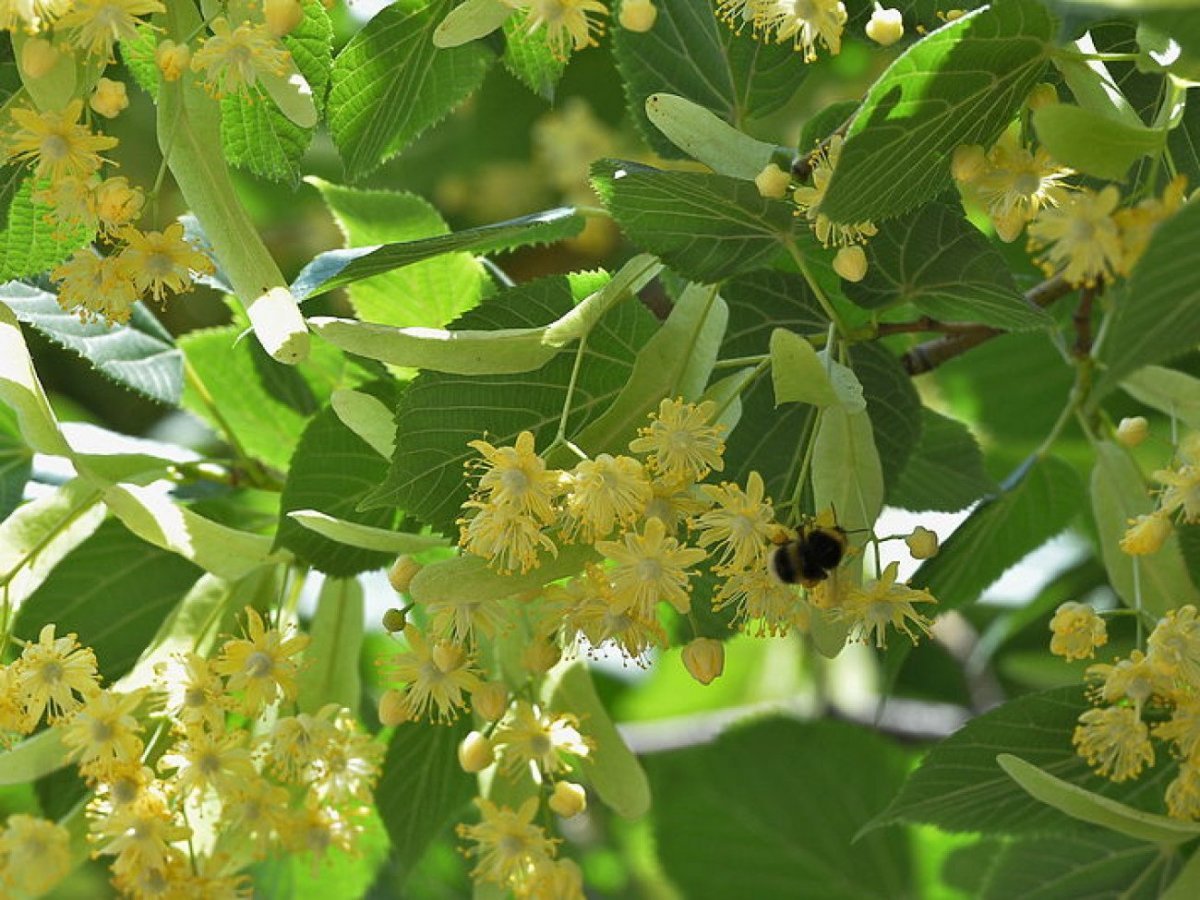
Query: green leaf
column 893, row 406
column 960, row 787
column 338, row 267
column 331, row 667
column 429, row 293
column 439, row 413
column 705, row 137
column 1120, row 494
column 16, row 463
column 470, row 21
column 676, row 361
column 1092, row 142
column 1086, row 806
column 529, row 58
column 32, row 758
column 945, row 471
column 114, row 591
column 1154, row 317
column 422, row 789
column 31, row 243
column 138, row 56
column 11, row 179
column 938, row 261
column 846, row 473
column 797, row 372
column 390, row 83
column 141, row 355
column 364, row 537
column 367, row 417
column 332, row 470
column 265, row 404
column 1167, row 390
column 468, row 578
column 962, row 84
column 1035, row 504
column 761, row 812
column 706, row 227
column 1187, row 882
column 689, row 53
column 611, row 767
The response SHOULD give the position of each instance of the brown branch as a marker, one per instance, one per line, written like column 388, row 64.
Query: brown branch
column 928, row 356
column 1083, row 322
column 925, row 323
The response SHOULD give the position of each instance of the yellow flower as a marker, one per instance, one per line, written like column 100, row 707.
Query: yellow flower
column 206, row 761
column 262, row 665
column 1139, row 223
column 510, row 539
column 808, row 201
column 804, row 22
column 1114, row 741
column 880, row 603
column 593, row 612
column 121, row 785
column 195, row 694
column 1080, row 238
column 31, row 15
column 516, row 478
column 460, row 618
column 1183, row 728
column 56, row 675
column 96, row 286
column 172, row 59
column 538, row 741
column 605, row 492
column 36, row 855
column 257, row 811
column 294, row 743
column 100, row 24
column 1183, row 793
column 139, row 834
column 1135, row 678
column 761, row 598
column 1016, row 184
column 568, row 23
column 1078, row 631
column 1146, row 534
column 109, row 98
column 508, row 845
column 1182, row 491
column 346, row 765
column 650, row 567
column 438, row 676
column 741, row 522
column 162, row 260
column 12, row 705
column 681, row 443
column 558, row 879
column 71, row 201
column 55, row 139
column 232, row 59
column 1174, row 646
column 315, row 829
column 673, row 501
column 104, row 734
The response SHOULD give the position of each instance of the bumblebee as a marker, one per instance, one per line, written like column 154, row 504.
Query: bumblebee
column 810, row 557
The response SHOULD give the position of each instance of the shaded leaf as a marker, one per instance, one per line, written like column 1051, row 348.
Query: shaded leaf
column 945, row 470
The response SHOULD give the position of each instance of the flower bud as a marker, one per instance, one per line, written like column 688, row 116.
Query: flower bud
column 394, row 621
column 540, row 656
column 851, row 263
column 490, row 700
column 282, row 16
column 704, row 659
column 637, row 15
column 1042, row 94
column 886, row 26
column 922, row 543
column 1146, row 534
column 475, row 753
column 773, row 182
column 446, row 655
column 952, row 15
column 109, row 98
column 393, row 708
column 38, row 57
column 569, row 799
column 117, row 203
column 402, row 572
column 172, row 59
column 968, row 162
column 1132, row 431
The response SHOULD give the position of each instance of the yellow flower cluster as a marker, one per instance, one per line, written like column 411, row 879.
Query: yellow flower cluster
column 194, row 777
column 1178, row 499
column 804, row 24
column 1162, row 685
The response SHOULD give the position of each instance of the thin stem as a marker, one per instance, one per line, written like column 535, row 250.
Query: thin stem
column 810, row 438
column 560, row 436
column 193, row 378
column 763, row 365
column 802, row 265
column 1137, row 597
column 740, row 362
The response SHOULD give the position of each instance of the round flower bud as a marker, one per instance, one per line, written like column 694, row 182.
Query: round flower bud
column 569, row 799
column 704, row 659
column 851, row 263
column 402, row 572
column 282, row 16
column 38, row 57
column 490, row 700
column 446, row 655
column 637, row 15
column 1042, row 95
column 773, row 182
column 475, row 753
column 952, row 15
column 922, row 543
column 393, row 708
column 968, row 162
column 394, row 620
column 886, row 26
column 172, row 59
column 1132, row 431
column 1078, row 631
column 109, row 98
column 540, row 657
column 1146, row 534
